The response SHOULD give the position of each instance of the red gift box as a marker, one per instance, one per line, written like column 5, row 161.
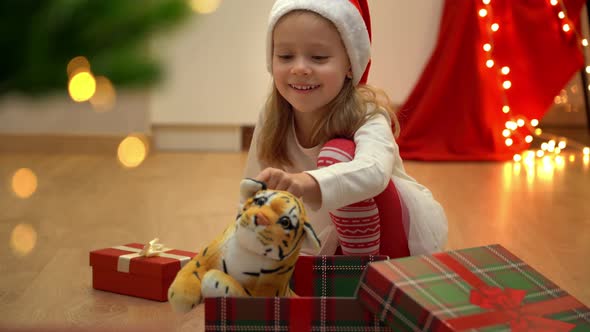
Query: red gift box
column 122, row 270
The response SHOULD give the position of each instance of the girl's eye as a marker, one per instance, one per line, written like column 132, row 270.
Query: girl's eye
column 319, row 57
column 284, row 57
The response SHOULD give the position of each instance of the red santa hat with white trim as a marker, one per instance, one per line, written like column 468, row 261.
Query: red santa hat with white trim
column 351, row 18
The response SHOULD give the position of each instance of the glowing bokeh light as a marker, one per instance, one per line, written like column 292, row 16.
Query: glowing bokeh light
column 490, row 63
column 534, row 122
column 538, row 131
column 82, row 87
column 559, row 162
column 24, row 183
column 517, row 157
column 495, row 27
column 506, row 84
column 132, row 151
column 585, row 42
column 487, row 47
column 508, row 142
column 105, row 96
column 505, row 108
column 23, row 239
column 586, row 151
column 528, row 139
column 77, row 65
column 566, row 27
column 205, row 6
column 483, row 12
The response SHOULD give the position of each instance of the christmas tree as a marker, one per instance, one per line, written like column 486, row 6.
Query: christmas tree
column 40, row 37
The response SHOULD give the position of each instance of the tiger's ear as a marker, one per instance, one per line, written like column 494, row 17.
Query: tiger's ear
column 249, row 187
column 311, row 239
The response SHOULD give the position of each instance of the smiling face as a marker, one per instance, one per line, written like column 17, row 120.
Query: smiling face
column 309, row 61
column 273, row 224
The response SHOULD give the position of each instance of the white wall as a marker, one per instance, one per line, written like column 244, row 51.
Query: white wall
column 217, row 68
column 404, row 36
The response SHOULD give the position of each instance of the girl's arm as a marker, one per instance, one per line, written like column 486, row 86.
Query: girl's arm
column 367, row 174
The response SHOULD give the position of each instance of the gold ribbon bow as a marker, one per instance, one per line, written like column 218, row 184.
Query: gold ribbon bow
column 152, row 248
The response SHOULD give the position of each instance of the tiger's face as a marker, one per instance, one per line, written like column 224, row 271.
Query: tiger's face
column 274, row 224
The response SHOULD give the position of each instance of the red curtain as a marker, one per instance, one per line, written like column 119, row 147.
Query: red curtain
column 455, row 110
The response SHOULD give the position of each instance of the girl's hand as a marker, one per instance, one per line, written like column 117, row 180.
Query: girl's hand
column 298, row 184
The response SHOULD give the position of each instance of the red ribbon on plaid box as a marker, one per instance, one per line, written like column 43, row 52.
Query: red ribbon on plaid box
column 506, row 305
column 447, row 292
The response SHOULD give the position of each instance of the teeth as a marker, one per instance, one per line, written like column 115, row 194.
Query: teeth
column 303, row 87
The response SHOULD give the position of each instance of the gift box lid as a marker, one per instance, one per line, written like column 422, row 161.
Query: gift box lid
column 165, row 265
column 483, row 289
column 330, row 275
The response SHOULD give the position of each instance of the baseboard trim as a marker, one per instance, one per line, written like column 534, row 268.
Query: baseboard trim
column 197, row 138
column 54, row 143
column 163, row 138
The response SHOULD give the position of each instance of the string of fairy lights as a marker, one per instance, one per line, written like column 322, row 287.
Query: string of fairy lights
column 552, row 147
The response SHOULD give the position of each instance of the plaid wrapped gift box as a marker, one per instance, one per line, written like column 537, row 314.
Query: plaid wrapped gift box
column 477, row 289
column 289, row 314
column 327, row 283
column 122, row 270
column 329, row 275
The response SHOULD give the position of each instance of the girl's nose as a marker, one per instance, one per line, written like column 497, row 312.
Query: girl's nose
column 300, row 67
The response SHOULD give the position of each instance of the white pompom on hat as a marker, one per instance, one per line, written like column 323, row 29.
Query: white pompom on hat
column 351, row 18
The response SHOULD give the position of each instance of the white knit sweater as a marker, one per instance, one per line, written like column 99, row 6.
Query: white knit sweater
column 376, row 161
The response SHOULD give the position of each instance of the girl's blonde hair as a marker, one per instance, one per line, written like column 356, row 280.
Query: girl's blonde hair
column 351, row 108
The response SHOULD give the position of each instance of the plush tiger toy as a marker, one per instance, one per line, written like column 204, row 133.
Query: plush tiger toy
column 254, row 256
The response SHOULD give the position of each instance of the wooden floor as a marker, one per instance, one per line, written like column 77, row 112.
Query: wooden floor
column 85, row 202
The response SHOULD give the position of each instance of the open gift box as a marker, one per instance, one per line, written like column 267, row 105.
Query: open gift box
column 325, row 285
column 476, row 289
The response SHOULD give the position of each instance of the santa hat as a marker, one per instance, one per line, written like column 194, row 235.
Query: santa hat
column 351, row 18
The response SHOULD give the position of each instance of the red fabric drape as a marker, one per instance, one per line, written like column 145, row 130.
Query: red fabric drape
column 455, row 109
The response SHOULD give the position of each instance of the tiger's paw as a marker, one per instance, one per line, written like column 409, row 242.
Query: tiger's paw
column 215, row 283
column 184, row 293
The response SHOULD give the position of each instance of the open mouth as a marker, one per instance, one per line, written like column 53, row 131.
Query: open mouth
column 304, row 88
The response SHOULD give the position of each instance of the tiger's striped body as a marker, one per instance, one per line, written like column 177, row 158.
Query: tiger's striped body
column 254, row 256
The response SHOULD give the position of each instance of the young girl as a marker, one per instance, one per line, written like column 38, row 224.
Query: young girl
column 327, row 136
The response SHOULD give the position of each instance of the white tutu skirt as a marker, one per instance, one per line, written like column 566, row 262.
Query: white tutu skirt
column 424, row 218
